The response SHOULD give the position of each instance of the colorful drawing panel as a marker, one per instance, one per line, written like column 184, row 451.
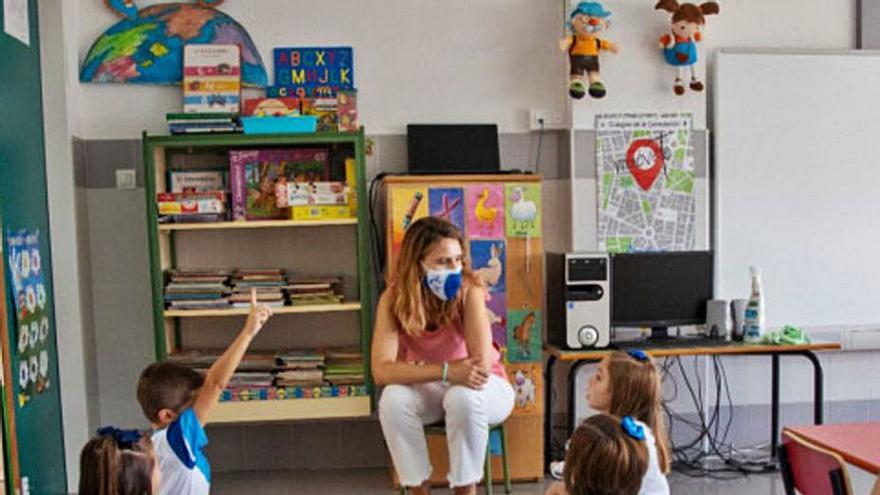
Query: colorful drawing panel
column 528, row 384
column 497, row 309
column 523, row 205
column 523, row 335
column 485, row 210
column 32, row 307
column 447, row 204
column 524, row 272
column 488, row 262
column 408, row 204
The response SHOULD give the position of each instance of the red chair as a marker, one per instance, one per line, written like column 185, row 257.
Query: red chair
column 810, row 469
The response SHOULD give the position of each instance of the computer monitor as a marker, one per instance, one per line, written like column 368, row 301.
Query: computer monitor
column 452, row 148
column 660, row 290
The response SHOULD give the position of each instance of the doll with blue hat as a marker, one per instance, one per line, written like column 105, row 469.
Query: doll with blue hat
column 588, row 21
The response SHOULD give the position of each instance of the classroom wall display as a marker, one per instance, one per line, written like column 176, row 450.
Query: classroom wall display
column 523, row 335
column 488, row 260
column 146, row 46
column 312, row 72
column 645, row 170
column 525, row 270
column 523, row 205
column 32, row 308
column 528, row 385
column 485, row 210
column 408, row 204
column 448, row 204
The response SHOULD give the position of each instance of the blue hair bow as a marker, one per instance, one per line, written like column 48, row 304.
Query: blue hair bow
column 123, row 438
column 632, row 428
column 638, row 355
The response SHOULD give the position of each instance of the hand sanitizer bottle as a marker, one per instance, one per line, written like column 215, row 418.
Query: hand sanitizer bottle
column 754, row 317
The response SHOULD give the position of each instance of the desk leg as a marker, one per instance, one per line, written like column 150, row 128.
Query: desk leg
column 774, row 407
column 818, row 387
column 548, row 413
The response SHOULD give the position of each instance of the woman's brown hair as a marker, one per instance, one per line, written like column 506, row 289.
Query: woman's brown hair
column 636, row 391
column 603, row 459
column 688, row 11
column 413, row 305
column 110, row 467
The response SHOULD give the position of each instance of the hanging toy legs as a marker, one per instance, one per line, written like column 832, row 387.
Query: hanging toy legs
column 588, row 21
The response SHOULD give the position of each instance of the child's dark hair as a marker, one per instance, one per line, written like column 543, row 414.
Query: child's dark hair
column 111, row 464
column 166, row 386
column 603, row 459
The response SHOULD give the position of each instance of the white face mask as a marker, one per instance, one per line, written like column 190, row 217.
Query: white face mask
column 444, row 283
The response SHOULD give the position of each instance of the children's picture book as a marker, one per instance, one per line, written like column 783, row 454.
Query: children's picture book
column 312, row 71
column 258, row 179
column 273, row 107
column 211, row 78
column 192, row 181
column 346, row 110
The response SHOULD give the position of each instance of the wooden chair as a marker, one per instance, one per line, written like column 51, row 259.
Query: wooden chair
column 810, row 469
column 440, row 429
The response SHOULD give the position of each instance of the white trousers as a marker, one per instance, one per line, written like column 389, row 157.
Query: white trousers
column 405, row 409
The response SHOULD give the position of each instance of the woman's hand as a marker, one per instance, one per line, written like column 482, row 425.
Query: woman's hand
column 468, row 372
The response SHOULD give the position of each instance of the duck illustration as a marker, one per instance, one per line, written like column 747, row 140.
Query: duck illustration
column 482, row 212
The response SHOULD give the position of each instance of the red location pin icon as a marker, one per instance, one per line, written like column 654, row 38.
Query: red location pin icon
column 645, row 160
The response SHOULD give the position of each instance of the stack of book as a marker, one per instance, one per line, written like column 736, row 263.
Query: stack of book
column 300, row 368
column 269, row 283
column 202, row 359
column 251, row 379
column 197, row 289
column 202, row 123
column 344, row 366
column 314, row 290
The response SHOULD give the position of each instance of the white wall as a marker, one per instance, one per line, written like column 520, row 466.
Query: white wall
column 415, row 60
column 59, row 77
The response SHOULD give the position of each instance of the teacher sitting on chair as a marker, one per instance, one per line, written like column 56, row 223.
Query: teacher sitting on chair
column 433, row 352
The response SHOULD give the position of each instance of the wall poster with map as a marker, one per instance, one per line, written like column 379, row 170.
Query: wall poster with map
column 645, row 170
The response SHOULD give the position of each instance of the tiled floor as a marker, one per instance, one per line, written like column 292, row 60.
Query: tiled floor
column 375, row 482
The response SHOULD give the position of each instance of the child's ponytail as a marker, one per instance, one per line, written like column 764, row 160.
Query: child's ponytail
column 117, row 462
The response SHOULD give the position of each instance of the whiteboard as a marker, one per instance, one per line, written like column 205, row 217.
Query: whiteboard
column 797, row 183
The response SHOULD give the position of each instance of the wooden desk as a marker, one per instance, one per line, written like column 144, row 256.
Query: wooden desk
column 721, row 348
column 857, row 443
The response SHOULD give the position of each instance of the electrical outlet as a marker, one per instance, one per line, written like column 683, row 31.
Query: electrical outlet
column 126, row 178
column 541, row 118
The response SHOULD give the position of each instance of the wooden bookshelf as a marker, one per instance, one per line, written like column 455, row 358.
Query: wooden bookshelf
column 261, row 224
column 300, row 246
column 311, row 308
column 256, row 411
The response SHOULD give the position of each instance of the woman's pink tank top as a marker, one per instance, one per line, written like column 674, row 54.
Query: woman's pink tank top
column 444, row 344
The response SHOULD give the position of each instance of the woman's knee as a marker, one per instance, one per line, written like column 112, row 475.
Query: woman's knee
column 464, row 401
column 395, row 401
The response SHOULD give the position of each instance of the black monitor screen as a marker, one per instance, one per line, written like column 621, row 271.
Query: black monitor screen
column 452, row 148
column 660, row 289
